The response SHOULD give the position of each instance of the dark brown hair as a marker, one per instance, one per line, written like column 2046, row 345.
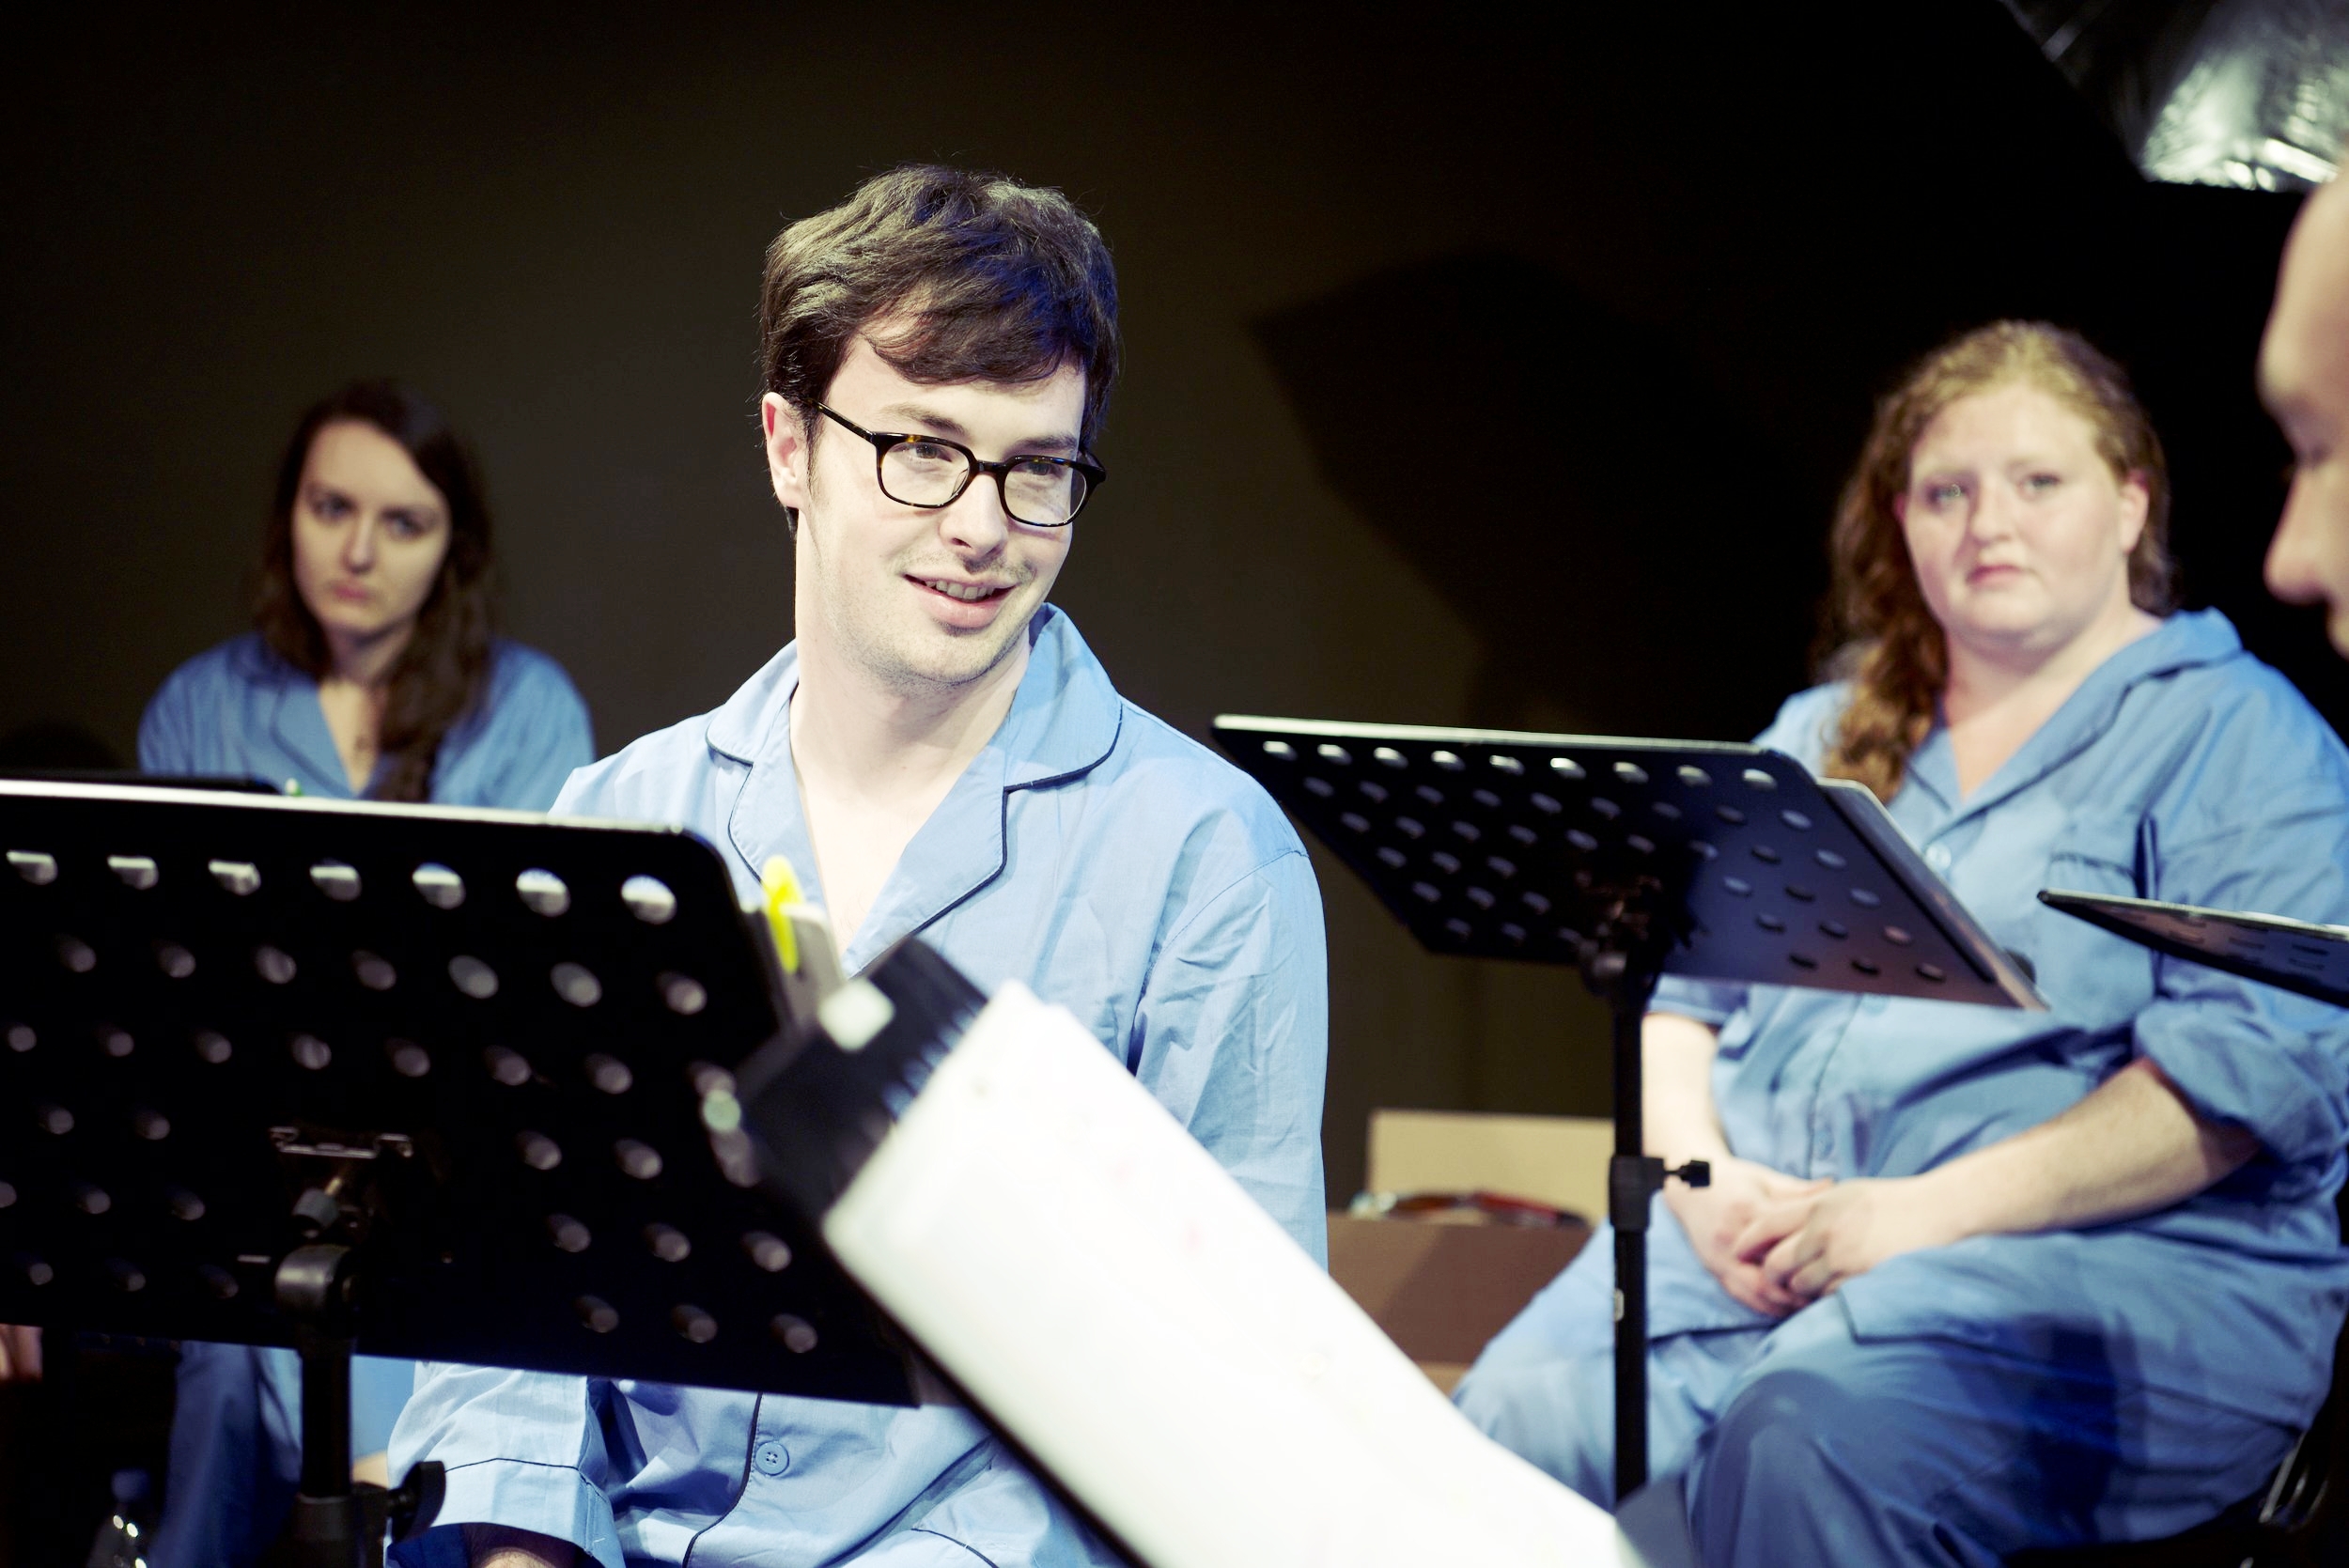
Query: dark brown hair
column 996, row 282
column 441, row 673
column 1888, row 646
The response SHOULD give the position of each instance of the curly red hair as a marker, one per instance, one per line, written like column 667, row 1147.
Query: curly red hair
column 1886, row 643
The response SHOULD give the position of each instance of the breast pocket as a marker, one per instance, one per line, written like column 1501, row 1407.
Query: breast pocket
column 2089, row 976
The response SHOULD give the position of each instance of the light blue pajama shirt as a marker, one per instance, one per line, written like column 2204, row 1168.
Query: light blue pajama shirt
column 2181, row 769
column 1092, row 853
column 239, row 711
column 236, row 710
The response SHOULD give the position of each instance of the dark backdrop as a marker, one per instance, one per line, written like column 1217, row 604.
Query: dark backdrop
column 1480, row 374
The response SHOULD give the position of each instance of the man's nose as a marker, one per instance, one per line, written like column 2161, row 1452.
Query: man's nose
column 976, row 522
column 2294, row 566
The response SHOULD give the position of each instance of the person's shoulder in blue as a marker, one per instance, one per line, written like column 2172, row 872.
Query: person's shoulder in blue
column 239, row 710
column 936, row 753
column 372, row 672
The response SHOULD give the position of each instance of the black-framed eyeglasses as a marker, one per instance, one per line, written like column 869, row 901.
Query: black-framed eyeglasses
column 933, row 471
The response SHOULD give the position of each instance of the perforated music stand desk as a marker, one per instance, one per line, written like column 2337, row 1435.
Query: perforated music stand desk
column 470, row 1044
column 2292, row 954
column 1629, row 859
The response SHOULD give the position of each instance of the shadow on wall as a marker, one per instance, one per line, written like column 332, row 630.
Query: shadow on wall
column 1571, row 484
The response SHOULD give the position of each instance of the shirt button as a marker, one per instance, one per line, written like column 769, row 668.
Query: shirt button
column 772, row 1458
column 1938, row 856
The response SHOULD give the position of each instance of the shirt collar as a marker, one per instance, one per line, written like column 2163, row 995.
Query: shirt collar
column 2184, row 640
column 297, row 719
column 739, row 727
column 1064, row 721
column 1065, row 715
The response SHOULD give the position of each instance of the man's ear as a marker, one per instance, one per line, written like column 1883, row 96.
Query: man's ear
column 785, row 440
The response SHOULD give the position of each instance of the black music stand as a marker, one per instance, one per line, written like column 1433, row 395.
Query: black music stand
column 2292, row 954
column 337, row 1076
column 1629, row 859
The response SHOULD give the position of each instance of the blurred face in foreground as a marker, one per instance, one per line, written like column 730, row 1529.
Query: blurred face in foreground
column 2018, row 529
column 2304, row 379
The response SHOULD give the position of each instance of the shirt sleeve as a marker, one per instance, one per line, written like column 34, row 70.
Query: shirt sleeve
column 541, row 733
column 2244, row 1054
column 523, row 1449
column 1233, row 1037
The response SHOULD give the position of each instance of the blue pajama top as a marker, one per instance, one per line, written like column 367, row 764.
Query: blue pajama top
column 240, row 711
column 1096, row 855
column 2181, row 769
column 237, row 710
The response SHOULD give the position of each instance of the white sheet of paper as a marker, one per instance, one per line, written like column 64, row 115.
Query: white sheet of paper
column 1107, row 1291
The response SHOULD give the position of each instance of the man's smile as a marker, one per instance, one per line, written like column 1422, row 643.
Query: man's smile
column 969, row 593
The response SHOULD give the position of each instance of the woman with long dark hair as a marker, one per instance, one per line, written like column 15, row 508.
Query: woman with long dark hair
column 1969, row 1281
column 372, row 671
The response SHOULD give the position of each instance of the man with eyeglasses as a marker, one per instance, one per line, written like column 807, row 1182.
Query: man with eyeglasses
column 939, row 750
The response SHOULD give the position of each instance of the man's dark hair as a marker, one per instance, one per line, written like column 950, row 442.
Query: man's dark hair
column 996, row 281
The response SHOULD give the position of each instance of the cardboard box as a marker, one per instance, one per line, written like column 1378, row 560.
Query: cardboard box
column 1441, row 1288
column 1440, row 1291
column 1557, row 1160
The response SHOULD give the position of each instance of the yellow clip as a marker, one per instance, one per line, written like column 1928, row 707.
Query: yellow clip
column 782, row 887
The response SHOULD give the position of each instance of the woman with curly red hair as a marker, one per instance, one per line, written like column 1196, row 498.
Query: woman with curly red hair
column 1969, row 1281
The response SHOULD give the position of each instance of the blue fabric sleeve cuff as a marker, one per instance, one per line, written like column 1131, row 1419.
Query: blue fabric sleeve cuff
column 2275, row 1067
column 549, row 1500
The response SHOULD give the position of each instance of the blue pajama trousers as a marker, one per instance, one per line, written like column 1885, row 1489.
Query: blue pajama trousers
column 236, row 1448
column 1804, row 1445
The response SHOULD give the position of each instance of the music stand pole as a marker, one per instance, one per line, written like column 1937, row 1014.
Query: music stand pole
column 1627, row 1194
column 325, row 1417
column 1626, row 983
column 329, row 1525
